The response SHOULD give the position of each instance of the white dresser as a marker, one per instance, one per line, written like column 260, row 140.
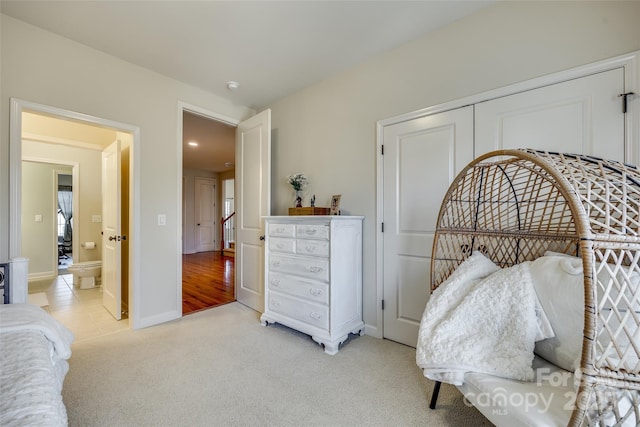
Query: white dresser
column 313, row 276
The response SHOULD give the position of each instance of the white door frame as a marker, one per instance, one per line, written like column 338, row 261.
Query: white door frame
column 75, row 174
column 630, row 63
column 182, row 107
column 15, row 187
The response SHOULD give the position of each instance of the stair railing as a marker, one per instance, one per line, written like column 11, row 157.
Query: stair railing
column 223, row 222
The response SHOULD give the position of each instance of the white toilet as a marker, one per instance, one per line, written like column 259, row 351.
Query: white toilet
column 86, row 275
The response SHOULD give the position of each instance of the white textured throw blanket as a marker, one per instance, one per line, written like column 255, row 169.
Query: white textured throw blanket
column 25, row 317
column 482, row 319
column 34, row 349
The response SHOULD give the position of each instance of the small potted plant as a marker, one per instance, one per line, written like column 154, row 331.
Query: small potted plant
column 298, row 181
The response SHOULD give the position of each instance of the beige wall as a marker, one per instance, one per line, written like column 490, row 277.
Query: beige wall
column 40, row 67
column 328, row 130
column 89, row 195
column 39, row 243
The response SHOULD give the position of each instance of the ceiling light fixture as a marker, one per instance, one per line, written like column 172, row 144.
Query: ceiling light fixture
column 193, row 144
column 231, row 85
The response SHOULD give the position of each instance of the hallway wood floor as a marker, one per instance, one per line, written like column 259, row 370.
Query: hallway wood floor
column 207, row 281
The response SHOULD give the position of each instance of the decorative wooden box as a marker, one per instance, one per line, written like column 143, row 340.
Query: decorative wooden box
column 309, row 211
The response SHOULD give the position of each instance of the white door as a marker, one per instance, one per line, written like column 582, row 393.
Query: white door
column 111, row 237
column 253, row 201
column 578, row 116
column 205, row 201
column 421, row 158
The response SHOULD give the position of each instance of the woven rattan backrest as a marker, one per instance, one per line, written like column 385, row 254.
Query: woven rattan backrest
column 513, row 205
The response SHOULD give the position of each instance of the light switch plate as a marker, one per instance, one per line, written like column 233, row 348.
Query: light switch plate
column 162, row 219
column 96, row 218
column 38, row 218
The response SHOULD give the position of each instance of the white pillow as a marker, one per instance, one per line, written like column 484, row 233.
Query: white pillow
column 631, row 278
column 559, row 284
column 545, row 330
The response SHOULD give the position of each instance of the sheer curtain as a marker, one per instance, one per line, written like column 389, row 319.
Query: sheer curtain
column 65, row 199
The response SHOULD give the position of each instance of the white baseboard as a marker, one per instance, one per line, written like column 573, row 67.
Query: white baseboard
column 45, row 275
column 372, row 331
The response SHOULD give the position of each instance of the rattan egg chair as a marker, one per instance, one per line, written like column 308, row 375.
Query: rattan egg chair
column 513, row 205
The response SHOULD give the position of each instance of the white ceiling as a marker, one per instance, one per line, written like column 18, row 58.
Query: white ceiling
column 272, row 48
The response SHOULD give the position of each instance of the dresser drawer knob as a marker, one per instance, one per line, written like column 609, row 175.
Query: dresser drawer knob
column 310, row 248
column 315, row 269
column 314, row 315
column 275, row 303
column 275, row 282
column 315, row 292
column 275, row 263
column 311, row 231
column 280, row 230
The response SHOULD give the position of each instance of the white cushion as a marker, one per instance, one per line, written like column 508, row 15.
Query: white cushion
column 548, row 400
column 545, row 401
column 559, row 284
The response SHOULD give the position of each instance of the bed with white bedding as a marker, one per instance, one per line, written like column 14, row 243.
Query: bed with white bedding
column 34, row 349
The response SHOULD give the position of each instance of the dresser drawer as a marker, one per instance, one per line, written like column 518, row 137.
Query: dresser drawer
column 307, row 289
column 307, row 312
column 281, row 244
column 281, row 230
column 312, row 231
column 312, row 247
column 314, row 268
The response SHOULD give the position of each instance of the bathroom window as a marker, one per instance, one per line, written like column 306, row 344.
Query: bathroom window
column 61, row 223
column 65, row 216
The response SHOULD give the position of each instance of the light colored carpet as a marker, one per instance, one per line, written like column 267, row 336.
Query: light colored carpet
column 221, row 367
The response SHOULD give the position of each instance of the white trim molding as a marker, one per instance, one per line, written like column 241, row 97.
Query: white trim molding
column 182, row 107
column 15, row 188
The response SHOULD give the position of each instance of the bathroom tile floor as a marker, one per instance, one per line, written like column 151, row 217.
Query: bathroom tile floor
column 80, row 310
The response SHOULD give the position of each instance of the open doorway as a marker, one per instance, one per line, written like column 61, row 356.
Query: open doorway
column 49, row 137
column 208, row 172
column 64, row 221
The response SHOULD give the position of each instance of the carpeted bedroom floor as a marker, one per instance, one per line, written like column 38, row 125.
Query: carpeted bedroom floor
column 221, row 367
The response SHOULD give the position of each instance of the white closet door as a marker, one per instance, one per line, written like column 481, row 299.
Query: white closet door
column 421, row 158
column 578, row 116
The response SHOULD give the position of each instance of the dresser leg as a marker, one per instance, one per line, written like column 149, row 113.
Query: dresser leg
column 331, row 348
column 264, row 321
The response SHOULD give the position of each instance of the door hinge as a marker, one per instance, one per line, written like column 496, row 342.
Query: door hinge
column 382, row 149
column 383, row 304
column 382, row 227
column 625, row 98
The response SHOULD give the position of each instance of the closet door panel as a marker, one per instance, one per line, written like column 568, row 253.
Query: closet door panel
column 422, row 156
column 578, row 116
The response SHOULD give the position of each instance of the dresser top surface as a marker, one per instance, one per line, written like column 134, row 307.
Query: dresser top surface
column 315, row 217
